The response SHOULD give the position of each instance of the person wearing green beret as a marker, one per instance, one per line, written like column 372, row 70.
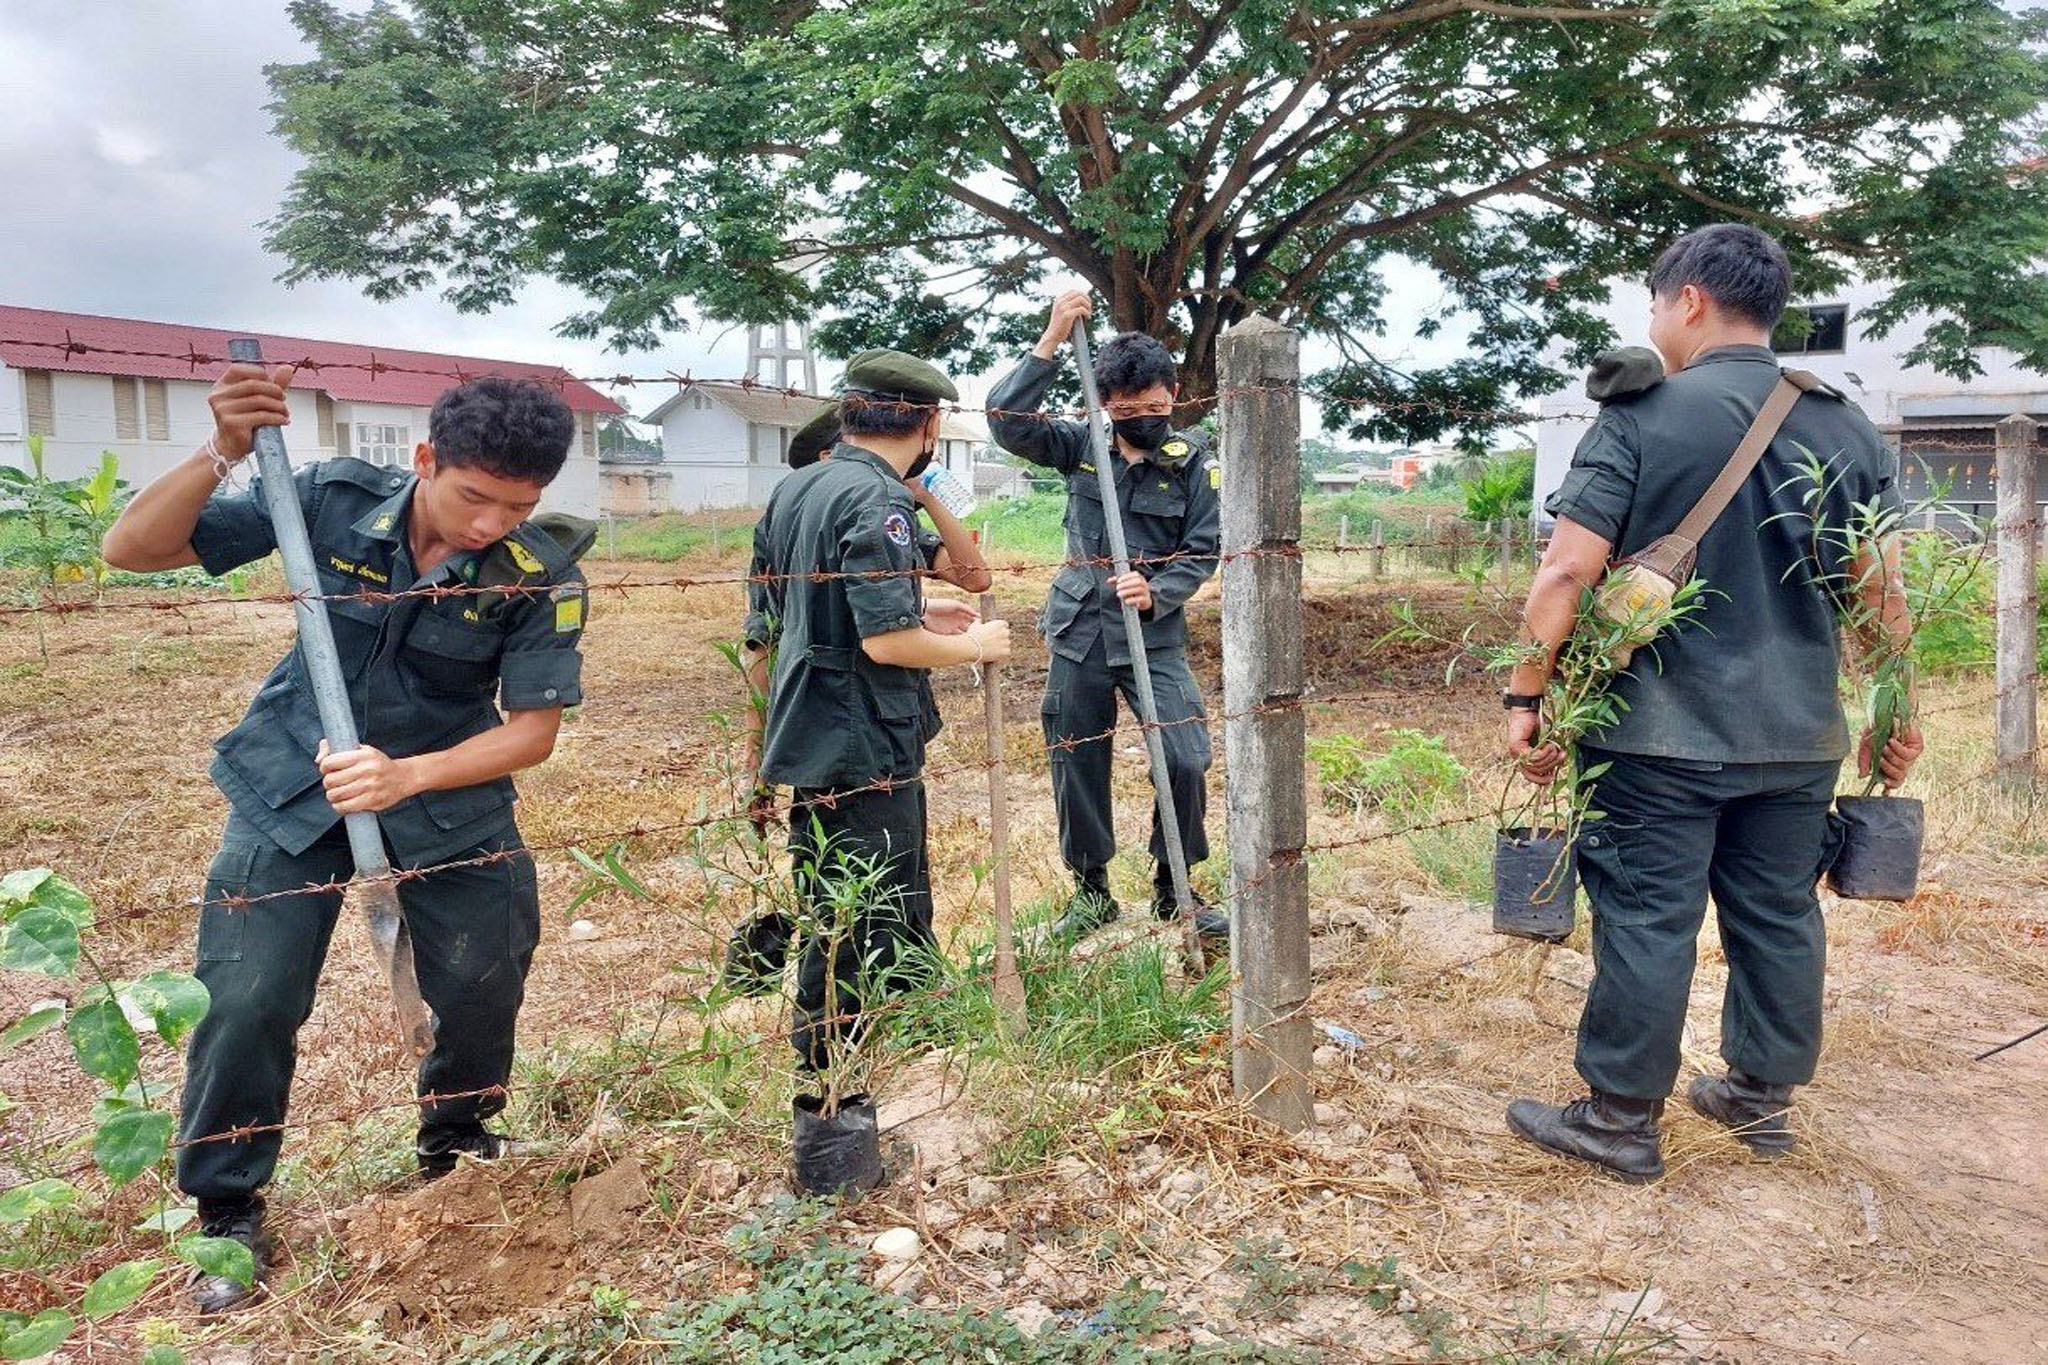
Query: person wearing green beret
column 759, row 947
column 838, row 631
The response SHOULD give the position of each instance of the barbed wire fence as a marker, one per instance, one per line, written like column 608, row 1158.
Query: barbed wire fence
column 1267, row 694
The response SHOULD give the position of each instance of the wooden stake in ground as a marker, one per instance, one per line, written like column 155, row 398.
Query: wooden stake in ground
column 1009, row 987
column 2019, row 622
column 1265, row 788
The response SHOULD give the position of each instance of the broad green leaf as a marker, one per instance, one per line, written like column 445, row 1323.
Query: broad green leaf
column 44, row 1333
column 19, row 888
column 174, row 1002
column 118, row 1288
column 104, row 1042
column 32, row 1023
column 39, row 939
column 55, row 893
column 24, row 1202
column 130, row 1142
column 222, row 1256
column 163, row 1355
column 166, row 1219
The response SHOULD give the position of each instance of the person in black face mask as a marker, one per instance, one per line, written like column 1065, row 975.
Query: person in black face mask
column 1168, row 485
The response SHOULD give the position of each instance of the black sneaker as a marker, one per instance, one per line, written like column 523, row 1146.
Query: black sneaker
column 1210, row 922
column 1088, row 909
column 238, row 1220
column 755, row 954
column 1755, row 1111
column 1618, row 1135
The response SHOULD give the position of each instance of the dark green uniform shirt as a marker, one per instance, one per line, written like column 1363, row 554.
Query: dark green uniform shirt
column 1167, row 511
column 837, row 718
column 1752, row 677
column 421, row 670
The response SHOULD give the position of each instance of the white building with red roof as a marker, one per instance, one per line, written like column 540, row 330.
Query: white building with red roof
column 87, row 384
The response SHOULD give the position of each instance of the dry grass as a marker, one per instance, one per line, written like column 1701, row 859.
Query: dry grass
column 1041, row 1185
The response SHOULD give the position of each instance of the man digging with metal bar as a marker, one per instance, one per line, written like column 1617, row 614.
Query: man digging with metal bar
column 435, row 759
column 1168, row 487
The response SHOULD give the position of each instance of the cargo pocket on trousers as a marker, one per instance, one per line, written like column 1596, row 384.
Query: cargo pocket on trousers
column 1049, row 722
column 1603, row 861
column 222, row 920
column 523, row 897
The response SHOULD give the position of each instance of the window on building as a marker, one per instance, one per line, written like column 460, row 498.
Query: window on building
column 127, row 409
column 341, row 438
column 156, row 409
column 42, row 403
column 383, row 443
column 698, row 402
column 323, row 416
column 1818, row 329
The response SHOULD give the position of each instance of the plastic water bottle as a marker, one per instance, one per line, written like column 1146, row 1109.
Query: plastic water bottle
column 949, row 490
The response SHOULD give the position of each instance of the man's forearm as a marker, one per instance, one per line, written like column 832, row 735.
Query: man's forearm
column 756, row 672
column 525, row 739
column 920, row 648
column 154, row 532
column 1548, row 619
column 965, row 567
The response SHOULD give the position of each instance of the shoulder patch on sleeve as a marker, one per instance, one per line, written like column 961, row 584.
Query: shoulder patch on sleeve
column 896, row 526
column 569, row 601
column 1624, row 373
column 1215, row 468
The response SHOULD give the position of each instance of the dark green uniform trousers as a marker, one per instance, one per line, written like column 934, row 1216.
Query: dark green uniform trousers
column 1754, row 835
column 473, row 931
column 866, row 894
column 1079, row 711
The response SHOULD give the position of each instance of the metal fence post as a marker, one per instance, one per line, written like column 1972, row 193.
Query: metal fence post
column 2018, row 603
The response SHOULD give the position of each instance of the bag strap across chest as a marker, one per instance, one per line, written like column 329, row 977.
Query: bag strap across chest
column 1673, row 554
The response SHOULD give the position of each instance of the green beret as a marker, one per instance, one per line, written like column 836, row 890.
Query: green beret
column 1623, row 372
column 895, row 375
column 814, row 438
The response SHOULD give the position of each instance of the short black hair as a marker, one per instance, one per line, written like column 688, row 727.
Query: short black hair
column 1132, row 362
column 513, row 428
column 862, row 415
column 1739, row 267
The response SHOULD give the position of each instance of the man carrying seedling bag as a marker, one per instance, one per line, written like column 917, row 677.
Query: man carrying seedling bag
column 435, row 761
column 1724, row 761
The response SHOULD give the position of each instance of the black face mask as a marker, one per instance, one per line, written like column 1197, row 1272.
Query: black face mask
column 921, row 463
column 1143, row 433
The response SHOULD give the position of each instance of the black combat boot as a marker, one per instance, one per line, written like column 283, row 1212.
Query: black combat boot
column 439, row 1147
column 238, row 1220
column 1088, row 909
column 1755, row 1110
column 1616, row 1134
column 755, row 954
column 1210, row 922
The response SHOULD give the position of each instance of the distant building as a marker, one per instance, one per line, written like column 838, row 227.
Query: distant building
column 152, row 412
column 727, row 445
column 1941, row 427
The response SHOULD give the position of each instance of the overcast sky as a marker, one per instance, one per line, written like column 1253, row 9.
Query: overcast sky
column 137, row 161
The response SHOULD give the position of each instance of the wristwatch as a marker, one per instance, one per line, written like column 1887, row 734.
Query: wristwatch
column 1522, row 701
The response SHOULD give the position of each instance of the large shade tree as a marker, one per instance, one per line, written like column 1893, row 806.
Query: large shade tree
column 915, row 172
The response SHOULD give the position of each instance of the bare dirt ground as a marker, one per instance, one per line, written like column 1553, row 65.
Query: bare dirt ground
column 1910, row 1227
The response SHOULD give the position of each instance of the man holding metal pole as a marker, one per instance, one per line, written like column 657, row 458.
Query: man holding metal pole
column 1165, row 487
column 423, row 767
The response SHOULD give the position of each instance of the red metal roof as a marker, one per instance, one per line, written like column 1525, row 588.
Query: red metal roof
column 80, row 343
